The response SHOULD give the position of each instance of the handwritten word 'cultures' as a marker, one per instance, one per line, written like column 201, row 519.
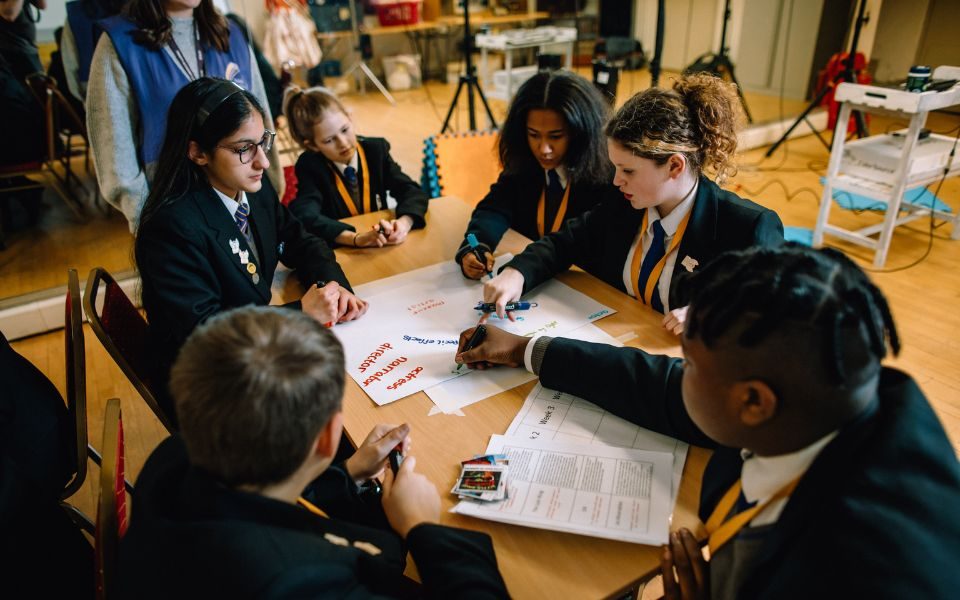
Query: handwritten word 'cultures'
column 419, row 307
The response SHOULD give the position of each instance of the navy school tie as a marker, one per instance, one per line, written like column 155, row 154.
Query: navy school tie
column 241, row 217
column 654, row 254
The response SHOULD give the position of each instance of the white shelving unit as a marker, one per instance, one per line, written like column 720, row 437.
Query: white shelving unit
column 899, row 104
column 520, row 39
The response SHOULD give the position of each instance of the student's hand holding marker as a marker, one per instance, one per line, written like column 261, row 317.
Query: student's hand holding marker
column 673, row 321
column 498, row 348
column 323, row 303
column 686, row 575
column 473, row 268
column 409, row 498
column 370, row 459
column 349, row 307
column 505, row 287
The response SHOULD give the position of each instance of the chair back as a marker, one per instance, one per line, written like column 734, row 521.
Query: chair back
column 123, row 332
column 112, row 505
column 76, row 370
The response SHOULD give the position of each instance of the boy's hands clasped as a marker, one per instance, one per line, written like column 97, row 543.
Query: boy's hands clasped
column 332, row 304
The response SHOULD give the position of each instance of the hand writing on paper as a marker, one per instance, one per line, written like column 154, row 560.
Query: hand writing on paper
column 349, row 307
column 398, row 229
column 473, row 268
column 409, row 499
column 673, row 321
column 503, row 288
column 498, row 348
column 322, row 303
column 686, row 575
column 370, row 459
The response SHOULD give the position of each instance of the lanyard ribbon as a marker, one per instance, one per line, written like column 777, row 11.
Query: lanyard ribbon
column 657, row 268
column 561, row 212
column 311, row 507
column 721, row 531
column 345, row 195
column 175, row 48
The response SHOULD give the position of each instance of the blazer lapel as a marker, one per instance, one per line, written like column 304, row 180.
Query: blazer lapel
column 698, row 239
column 262, row 218
column 227, row 235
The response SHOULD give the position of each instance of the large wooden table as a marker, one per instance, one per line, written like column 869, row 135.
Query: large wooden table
column 535, row 563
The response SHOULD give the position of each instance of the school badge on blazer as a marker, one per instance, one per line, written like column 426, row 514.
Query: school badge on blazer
column 280, row 249
column 689, row 263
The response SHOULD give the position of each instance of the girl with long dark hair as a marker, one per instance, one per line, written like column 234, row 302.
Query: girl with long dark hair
column 555, row 165
column 213, row 230
column 150, row 51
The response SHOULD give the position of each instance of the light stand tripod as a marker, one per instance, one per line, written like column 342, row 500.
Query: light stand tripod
column 361, row 64
column 846, row 75
column 469, row 79
column 657, row 47
column 719, row 63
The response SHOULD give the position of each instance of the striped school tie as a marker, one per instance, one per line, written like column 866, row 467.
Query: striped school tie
column 243, row 212
column 353, row 186
column 654, row 254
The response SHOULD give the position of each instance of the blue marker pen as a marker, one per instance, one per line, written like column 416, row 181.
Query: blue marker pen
column 472, row 240
column 489, row 307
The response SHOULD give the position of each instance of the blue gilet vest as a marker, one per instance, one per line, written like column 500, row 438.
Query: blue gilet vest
column 86, row 32
column 155, row 78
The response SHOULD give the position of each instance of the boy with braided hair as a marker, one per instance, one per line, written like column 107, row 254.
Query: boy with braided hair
column 831, row 474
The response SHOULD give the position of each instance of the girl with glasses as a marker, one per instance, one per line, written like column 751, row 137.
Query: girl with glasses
column 340, row 174
column 213, row 231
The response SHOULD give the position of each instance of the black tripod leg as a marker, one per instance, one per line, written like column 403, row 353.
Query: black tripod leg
column 801, row 118
column 483, row 99
column 453, row 104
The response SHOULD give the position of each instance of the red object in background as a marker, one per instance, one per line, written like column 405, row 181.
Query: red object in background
column 827, row 77
column 290, row 192
column 398, row 12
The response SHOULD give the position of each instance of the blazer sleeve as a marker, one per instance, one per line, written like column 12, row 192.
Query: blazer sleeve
column 308, row 254
column 182, row 282
column 579, row 241
column 455, row 563
column 642, row 388
column 308, row 205
column 411, row 199
column 768, row 230
column 492, row 216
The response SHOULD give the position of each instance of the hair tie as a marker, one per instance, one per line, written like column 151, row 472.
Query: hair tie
column 214, row 98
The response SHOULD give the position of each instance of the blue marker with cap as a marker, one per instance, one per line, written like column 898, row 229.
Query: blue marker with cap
column 472, row 240
column 489, row 307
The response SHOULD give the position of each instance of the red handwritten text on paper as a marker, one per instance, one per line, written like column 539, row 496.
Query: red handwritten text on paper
column 419, row 307
column 372, row 358
column 384, row 370
column 408, row 377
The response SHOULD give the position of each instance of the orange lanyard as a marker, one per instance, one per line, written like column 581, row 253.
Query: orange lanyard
column 657, row 268
column 542, row 209
column 721, row 531
column 347, row 198
column 311, row 507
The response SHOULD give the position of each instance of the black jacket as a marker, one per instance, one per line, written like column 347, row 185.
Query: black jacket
column 512, row 203
column 599, row 241
column 319, row 205
column 875, row 515
column 191, row 536
column 189, row 273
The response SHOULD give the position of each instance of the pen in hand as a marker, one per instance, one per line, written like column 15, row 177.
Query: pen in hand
column 479, row 334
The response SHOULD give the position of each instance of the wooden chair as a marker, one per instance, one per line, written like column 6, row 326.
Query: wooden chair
column 112, row 505
column 123, row 332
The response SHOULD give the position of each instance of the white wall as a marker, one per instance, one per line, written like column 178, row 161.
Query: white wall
column 899, row 29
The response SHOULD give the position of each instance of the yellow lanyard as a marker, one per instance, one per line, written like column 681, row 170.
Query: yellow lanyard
column 347, row 198
column 311, row 507
column 542, row 209
column 721, row 531
column 657, row 268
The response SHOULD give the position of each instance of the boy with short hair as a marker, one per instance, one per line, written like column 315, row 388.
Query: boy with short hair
column 218, row 508
column 831, row 475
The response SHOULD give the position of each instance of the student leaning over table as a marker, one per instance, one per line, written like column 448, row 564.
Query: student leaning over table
column 340, row 175
column 213, row 231
column 853, row 485
column 221, row 509
column 670, row 218
column 554, row 162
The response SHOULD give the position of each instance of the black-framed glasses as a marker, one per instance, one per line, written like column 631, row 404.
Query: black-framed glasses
column 248, row 151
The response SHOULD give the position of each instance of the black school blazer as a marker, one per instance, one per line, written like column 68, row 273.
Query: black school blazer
column 189, row 273
column 600, row 239
column 512, row 203
column 319, row 205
